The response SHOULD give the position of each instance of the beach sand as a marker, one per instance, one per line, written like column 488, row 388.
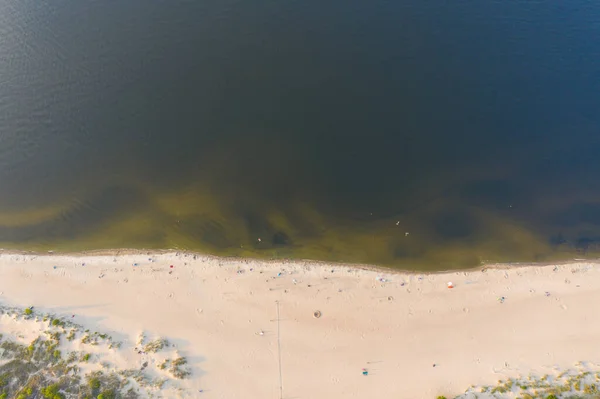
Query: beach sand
column 416, row 337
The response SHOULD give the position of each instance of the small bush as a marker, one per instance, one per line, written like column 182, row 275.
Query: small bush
column 51, row 392
column 156, row 345
column 499, row 389
column 87, row 340
column 551, row 397
column 94, row 383
column 85, row 357
column 590, row 389
column 441, row 397
column 107, row 395
column 3, row 395
column 56, row 354
column 50, row 349
column 55, row 322
column 28, row 311
column 177, row 369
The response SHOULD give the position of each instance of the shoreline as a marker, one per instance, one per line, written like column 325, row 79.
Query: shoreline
column 497, row 322
column 301, row 262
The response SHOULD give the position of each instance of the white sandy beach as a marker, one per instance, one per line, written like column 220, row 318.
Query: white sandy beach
column 223, row 315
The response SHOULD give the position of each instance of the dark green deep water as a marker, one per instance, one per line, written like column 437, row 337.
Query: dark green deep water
column 328, row 130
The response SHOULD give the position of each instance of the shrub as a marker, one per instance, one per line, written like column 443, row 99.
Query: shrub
column 28, row 311
column 56, row 354
column 156, row 345
column 86, row 357
column 107, row 395
column 499, row 389
column 3, row 395
column 94, row 383
column 177, row 369
column 551, row 397
column 51, row 392
column 55, row 322
column 590, row 389
column 180, row 361
column 25, row 393
column 441, row 397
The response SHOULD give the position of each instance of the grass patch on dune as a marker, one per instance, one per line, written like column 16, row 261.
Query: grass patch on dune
column 43, row 369
column 579, row 383
column 156, row 345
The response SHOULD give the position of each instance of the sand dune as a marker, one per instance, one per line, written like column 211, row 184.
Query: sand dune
column 414, row 336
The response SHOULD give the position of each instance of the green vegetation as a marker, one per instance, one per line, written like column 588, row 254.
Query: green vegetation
column 52, row 392
column 107, row 395
column 155, row 345
column 177, row 368
column 71, row 335
column 28, row 312
column 40, row 370
column 164, row 365
column 570, row 384
column 94, row 383
column 590, row 389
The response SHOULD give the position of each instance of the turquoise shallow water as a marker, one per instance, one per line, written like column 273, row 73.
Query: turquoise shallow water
column 417, row 135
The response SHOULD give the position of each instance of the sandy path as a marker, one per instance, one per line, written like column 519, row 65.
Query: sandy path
column 397, row 329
